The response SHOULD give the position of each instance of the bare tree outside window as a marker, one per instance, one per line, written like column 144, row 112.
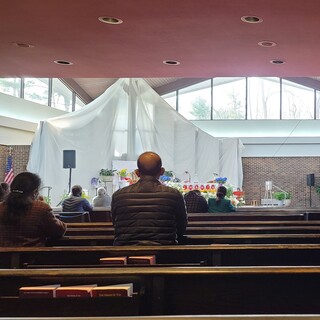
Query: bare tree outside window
column 200, row 108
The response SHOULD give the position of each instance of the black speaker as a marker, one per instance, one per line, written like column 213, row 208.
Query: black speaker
column 310, row 180
column 69, row 158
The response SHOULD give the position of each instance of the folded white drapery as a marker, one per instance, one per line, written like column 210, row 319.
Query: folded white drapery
column 129, row 118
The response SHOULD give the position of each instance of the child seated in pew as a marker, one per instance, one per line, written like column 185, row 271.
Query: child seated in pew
column 25, row 220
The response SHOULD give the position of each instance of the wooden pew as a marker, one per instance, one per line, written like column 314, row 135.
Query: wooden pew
column 247, row 216
column 169, row 291
column 211, row 255
column 302, row 238
column 109, row 230
column 222, row 223
column 197, row 239
column 186, row 317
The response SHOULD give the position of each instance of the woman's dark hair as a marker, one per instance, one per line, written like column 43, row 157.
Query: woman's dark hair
column 4, row 190
column 2, row 193
column 20, row 199
column 221, row 193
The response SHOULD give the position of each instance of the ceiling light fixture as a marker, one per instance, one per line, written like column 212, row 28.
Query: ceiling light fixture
column 23, row 45
column 171, row 62
column 277, row 61
column 251, row 19
column 267, row 44
column 110, row 20
column 63, row 62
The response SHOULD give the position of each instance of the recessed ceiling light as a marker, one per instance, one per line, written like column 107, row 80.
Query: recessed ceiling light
column 171, row 62
column 267, row 43
column 63, row 62
column 23, row 45
column 277, row 61
column 251, row 19
column 110, row 20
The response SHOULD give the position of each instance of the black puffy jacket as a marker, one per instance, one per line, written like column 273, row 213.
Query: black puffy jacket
column 148, row 212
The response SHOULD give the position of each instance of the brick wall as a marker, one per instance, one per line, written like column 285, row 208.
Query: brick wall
column 20, row 155
column 290, row 174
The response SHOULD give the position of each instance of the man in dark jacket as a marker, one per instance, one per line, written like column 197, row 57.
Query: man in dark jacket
column 148, row 212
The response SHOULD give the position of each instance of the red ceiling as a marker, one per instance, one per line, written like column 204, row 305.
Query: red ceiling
column 206, row 36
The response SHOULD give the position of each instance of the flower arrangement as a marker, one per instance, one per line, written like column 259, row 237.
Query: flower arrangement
column 221, row 180
column 94, row 182
column 123, row 173
column 208, row 190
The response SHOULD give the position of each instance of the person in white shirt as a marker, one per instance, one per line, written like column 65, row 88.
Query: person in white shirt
column 102, row 199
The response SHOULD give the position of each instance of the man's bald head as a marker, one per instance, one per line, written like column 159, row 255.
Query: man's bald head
column 150, row 164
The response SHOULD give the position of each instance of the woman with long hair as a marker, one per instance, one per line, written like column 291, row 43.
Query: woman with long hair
column 25, row 220
column 220, row 204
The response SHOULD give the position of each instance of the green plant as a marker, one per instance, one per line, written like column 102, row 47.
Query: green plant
column 168, row 173
column 107, row 172
column 279, row 195
column 288, row 195
column 318, row 189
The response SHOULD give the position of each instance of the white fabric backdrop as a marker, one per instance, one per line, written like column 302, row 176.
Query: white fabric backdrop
column 129, row 118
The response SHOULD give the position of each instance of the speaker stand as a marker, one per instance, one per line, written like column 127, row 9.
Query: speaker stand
column 310, row 203
column 69, row 180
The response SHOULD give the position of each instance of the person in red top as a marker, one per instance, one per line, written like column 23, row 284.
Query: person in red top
column 24, row 220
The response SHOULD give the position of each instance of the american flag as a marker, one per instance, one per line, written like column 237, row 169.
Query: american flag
column 9, row 175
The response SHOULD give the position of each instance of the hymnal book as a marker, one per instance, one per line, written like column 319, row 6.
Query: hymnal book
column 142, row 259
column 114, row 260
column 46, row 291
column 80, row 291
column 116, row 290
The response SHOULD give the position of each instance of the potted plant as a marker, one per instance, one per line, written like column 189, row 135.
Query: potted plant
column 280, row 197
column 106, row 175
column 287, row 199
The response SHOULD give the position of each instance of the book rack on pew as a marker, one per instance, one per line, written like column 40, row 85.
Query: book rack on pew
column 168, row 291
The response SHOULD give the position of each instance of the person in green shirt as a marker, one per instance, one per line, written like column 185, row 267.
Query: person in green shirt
column 220, row 204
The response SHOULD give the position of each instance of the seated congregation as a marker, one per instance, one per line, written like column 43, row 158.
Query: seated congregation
column 220, row 253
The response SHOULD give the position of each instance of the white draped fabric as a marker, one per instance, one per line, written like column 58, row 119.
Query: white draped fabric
column 129, row 118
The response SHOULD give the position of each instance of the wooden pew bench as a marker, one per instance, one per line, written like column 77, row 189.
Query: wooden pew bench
column 186, row 317
column 169, row 291
column 301, row 238
column 246, row 216
column 200, row 239
column 211, row 255
column 109, row 230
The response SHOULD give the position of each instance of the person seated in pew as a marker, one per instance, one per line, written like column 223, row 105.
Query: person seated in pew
column 195, row 202
column 148, row 212
column 75, row 202
column 102, row 199
column 220, row 204
column 24, row 220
